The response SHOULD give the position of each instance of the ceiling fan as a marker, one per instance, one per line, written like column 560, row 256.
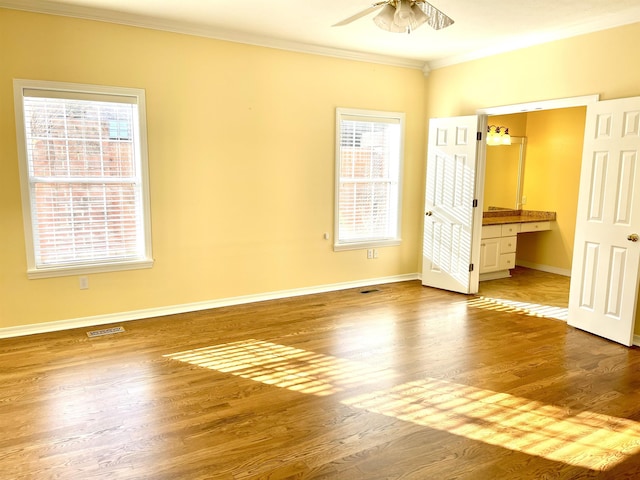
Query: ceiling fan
column 403, row 16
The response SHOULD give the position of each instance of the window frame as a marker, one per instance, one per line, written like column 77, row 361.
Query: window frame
column 69, row 91
column 373, row 242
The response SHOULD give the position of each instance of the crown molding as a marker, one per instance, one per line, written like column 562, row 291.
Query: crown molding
column 199, row 30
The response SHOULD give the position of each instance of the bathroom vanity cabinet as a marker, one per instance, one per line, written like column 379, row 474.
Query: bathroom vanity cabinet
column 500, row 231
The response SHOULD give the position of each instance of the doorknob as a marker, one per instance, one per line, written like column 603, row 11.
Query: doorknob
column 429, row 213
column 633, row 237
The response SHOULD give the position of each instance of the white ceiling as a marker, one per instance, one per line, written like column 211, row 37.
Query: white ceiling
column 481, row 28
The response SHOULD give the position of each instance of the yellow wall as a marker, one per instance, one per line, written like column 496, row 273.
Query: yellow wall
column 241, row 154
column 584, row 65
column 552, row 174
column 241, row 147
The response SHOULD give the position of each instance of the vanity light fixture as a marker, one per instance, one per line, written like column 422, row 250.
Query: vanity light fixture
column 498, row 135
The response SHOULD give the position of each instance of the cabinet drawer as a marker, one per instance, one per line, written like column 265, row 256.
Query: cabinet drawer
column 508, row 244
column 509, row 229
column 492, row 231
column 507, row 261
column 535, row 226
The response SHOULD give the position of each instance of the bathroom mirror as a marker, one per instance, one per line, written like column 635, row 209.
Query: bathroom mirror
column 504, row 175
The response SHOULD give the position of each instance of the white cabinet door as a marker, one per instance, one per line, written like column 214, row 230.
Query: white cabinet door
column 490, row 255
column 604, row 277
column 451, row 221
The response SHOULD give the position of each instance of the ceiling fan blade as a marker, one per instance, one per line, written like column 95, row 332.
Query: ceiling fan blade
column 437, row 19
column 361, row 14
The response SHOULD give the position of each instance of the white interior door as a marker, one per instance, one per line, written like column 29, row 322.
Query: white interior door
column 604, row 277
column 452, row 223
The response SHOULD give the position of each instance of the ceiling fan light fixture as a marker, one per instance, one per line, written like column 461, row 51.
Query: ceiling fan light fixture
column 403, row 16
column 385, row 20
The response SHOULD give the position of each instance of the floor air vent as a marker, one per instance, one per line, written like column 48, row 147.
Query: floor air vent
column 372, row 290
column 105, row 331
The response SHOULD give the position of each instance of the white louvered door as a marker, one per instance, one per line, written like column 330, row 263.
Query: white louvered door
column 452, row 224
column 606, row 258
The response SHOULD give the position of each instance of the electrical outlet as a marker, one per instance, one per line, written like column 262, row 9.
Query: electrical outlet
column 524, row 199
column 84, row 283
column 375, row 253
column 370, row 253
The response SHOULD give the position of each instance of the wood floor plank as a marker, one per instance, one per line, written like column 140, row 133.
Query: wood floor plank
column 404, row 382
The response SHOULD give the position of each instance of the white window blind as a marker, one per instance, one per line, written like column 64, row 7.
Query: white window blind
column 83, row 170
column 368, row 165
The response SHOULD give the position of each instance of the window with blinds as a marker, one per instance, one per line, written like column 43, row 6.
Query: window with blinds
column 369, row 149
column 83, row 170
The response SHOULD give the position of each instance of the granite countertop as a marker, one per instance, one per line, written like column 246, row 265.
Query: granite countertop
column 500, row 216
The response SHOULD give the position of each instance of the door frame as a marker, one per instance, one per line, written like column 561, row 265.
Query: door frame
column 552, row 104
column 483, row 116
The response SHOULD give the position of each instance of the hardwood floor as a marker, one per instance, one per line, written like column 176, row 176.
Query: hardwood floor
column 402, row 382
column 529, row 291
column 532, row 286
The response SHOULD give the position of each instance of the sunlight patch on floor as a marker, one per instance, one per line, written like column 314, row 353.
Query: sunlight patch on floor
column 282, row 366
column 584, row 439
column 581, row 438
column 531, row 309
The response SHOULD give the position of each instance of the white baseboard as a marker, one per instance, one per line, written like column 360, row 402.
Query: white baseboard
column 494, row 275
column 191, row 307
column 544, row 268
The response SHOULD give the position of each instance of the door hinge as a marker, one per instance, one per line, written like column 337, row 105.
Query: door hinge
column 479, row 136
column 475, row 203
column 471, row 267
